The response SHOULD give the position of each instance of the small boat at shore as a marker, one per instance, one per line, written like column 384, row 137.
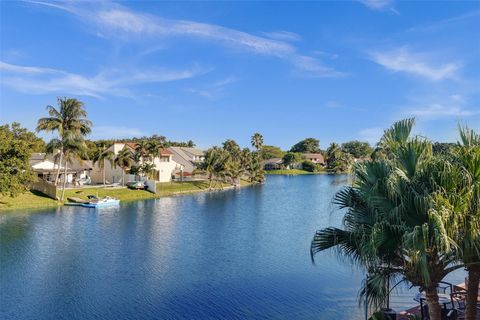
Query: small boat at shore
column 101, row 203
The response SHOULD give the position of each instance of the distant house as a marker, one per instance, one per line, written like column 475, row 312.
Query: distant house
column 188, row 158
column 273, row 164
column 165, row 166
column 46, row 168
column 315, row 158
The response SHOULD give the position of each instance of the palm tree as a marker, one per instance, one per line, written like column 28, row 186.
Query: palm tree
column 148, row 169
column 257, row 141
column 101, row 156
column 69, row 118
column 142, row 150
column 213, row 164
column 154, row 149
column 124, row 160
column 397, row 213
column 468, row 155
column 73, row 148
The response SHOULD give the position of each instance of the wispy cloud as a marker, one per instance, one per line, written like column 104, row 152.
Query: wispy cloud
column 372, row 135
column 39, row 80
column 114, row 20
column 418, row 64
column 214, row 89
column 441, row 107
column 377, row 4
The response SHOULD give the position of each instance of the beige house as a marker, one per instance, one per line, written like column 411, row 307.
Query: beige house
column 188, row 158
column 46, row 167
column 315, row 158
column 165, row 166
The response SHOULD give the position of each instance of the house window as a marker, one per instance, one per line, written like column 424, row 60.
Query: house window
column 164, row 159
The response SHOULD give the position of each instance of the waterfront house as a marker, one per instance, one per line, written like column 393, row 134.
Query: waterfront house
column 45, row 167
column 188, row 158
column 273, row 164
column 315, row 158
column 165, row 166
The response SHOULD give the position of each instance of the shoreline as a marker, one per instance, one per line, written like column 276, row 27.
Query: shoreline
column 30, row 201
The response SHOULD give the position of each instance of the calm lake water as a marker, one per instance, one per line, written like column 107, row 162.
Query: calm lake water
column 237, row 254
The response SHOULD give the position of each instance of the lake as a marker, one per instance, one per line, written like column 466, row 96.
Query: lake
column 234, row 254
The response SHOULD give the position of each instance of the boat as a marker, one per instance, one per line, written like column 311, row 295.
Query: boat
column 100, row 202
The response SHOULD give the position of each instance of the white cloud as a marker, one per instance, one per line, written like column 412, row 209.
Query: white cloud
column 372, row 135
column 37, row 80
column 377, row 4
column 115, row 20
column 441, row 107
column 214, row 89
column 283, row 35
column 418, row 64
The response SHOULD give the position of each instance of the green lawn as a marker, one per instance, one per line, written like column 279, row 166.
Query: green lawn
column 33, row 200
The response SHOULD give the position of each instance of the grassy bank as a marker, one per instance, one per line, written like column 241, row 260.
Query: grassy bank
column 291, row 172
column 34, row 200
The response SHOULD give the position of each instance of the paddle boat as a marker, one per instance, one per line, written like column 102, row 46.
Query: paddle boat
column 100, row 202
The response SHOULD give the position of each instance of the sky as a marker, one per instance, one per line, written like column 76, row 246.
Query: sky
column 209, row 71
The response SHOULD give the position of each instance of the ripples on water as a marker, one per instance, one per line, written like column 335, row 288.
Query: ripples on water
column 237, row 254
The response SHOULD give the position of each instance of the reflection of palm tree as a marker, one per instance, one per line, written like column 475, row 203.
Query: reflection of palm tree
column 102, row 155
column 70, row 118
column 395, row 224
column 124, row 160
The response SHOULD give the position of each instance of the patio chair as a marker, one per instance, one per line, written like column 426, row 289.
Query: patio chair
column 458, row 301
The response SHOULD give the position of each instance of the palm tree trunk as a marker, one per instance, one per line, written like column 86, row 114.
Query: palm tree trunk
column 434, row 308
column 472, row 292
column 123, row 177
column 64, row 181
column 58, row 169
column 104, row 173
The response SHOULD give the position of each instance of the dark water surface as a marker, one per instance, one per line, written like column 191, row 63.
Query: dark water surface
column 237, row 254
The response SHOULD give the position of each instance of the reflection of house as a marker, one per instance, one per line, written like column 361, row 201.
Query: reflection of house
column 187, row 157
column 46, row 169
column 273, row 164
column 164, row 166
column 315, row 158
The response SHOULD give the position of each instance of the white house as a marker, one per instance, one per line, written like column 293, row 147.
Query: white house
column 46, row 168
column 164, row 165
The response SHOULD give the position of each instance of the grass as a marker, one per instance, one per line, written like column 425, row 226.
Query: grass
column 35, row 200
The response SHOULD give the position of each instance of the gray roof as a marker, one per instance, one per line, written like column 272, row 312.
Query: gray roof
column 185, row 156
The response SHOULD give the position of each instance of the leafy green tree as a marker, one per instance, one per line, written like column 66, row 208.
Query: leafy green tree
column 15, row 171
column 69, row 119
column 357, row 149
column 124, row 160
column 398, row 215
column 257, row 141
column 148, row 170
column 36, row 144
column 101, row 157
column 268, row 152
column 337, row 159
column 310, row 166
column 291, row 158
column 308, row 145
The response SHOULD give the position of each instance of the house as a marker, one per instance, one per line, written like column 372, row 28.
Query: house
column 315, row 158
column 45, row 166
column 187, row 158
column 165, row 166
column 273, row 164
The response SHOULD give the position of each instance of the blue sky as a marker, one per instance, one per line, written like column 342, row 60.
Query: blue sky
column 209, row 71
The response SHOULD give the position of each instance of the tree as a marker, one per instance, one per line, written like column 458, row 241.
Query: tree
column 69, row 119
column 214, row 164
column 468, row 156
column 268, row 152
column 257, row 141
column 124, row 160
column 397, row 215
column 232, row 147
column 148, row 170
column 308, row 145
column 73, row 148
column 291, row 158
column 357, row 149
column 337, row 159
column 154, row 149
column 101, row 157
column 15, row 171
column 310, row 166
column 141, row 149
column 35, row 144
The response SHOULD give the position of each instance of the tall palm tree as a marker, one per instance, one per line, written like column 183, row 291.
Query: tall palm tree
column 70, row 117
column 397, row 215
column 73, row 148
column 124, row 160
column 468, row 155
column 102, row 155
column 142, row 150
column 257, row 141
column 213, row 164
column 154, row 149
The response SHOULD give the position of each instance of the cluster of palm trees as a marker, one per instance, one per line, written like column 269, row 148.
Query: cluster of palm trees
column 412, row 217
column 71, row 125
column 230, row 163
